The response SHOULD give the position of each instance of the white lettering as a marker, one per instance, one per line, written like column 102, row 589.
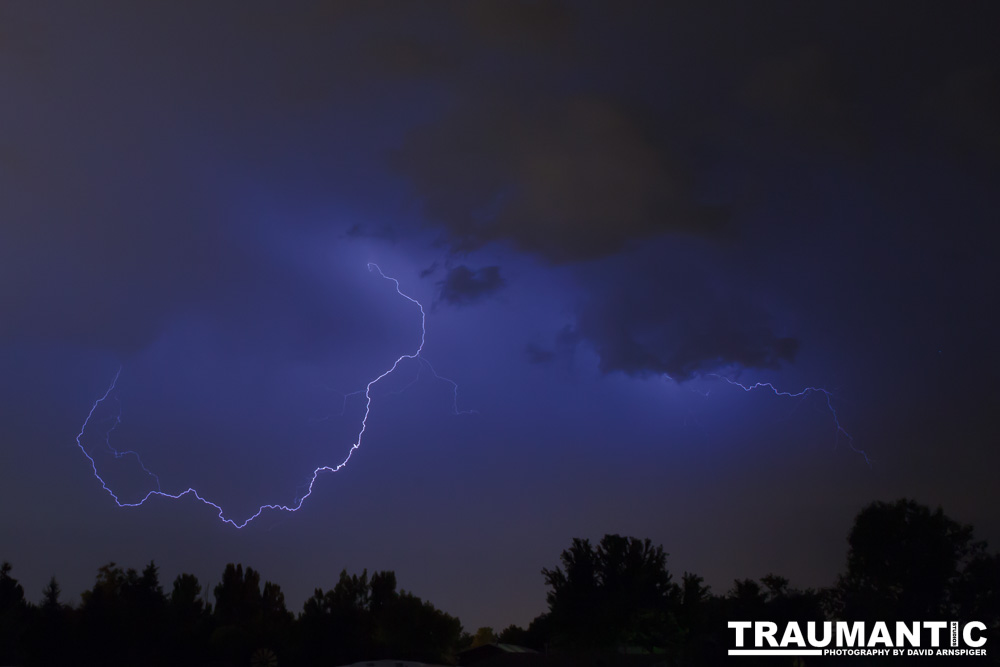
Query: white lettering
column 880, row 635
column 827, row 634
column 936, row 627
column 910, row 632
column 967, row 634
column 765, row 630
column 792, row 635
column 853, row 637
column 739, row 626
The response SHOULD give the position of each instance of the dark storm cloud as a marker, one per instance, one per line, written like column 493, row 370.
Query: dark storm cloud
column 566, row 178
column 530, row 124
column 108, row 255
column 598, row 144
column 142, row 180
column 965, row 104
column 462, row 286
column 706, row 342
column 806, row 94
column 197, row 187
column 133, row 174
column 677, row 318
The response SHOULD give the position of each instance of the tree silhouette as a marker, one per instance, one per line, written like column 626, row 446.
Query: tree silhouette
column 240, row 613
column 904, row 563
column 122, row 616
column 274, row 626
column 189, row 621
column 536, row 636
column 13, row 616
column 576, row 599
column 619, row 593
column 483, row 636
column 513, row 634
column 697, row 616
column 976, row 594
column 185, row 598
column 11, row 592
column 367, row 618
column 50, row 597
column 237, row 596
column 52, row 619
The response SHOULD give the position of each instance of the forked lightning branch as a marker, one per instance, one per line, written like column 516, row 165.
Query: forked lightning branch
column 191, row 491
column 91, row 451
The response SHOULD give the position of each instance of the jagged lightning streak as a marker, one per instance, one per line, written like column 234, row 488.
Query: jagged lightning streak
column 801, row 394
column 422, row 362
column 315, row 474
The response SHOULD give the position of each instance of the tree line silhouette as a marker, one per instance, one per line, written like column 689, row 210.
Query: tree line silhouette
column 615, row 598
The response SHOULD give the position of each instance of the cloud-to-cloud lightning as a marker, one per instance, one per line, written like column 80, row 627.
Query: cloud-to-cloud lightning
column 316, row 472
column 801, row 394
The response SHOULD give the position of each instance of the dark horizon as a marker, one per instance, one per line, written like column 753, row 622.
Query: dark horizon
column 615, row 219
column 614, row 601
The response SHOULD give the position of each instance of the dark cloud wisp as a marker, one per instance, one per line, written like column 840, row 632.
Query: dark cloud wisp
column 681, row 325
column 579, row 180
column 462, row 286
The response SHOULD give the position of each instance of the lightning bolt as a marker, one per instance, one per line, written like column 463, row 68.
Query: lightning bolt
column 315, row 474
column 801, row 394
column 416, row 378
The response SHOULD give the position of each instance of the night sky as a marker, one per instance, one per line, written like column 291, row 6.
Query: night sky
column 606, row 210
